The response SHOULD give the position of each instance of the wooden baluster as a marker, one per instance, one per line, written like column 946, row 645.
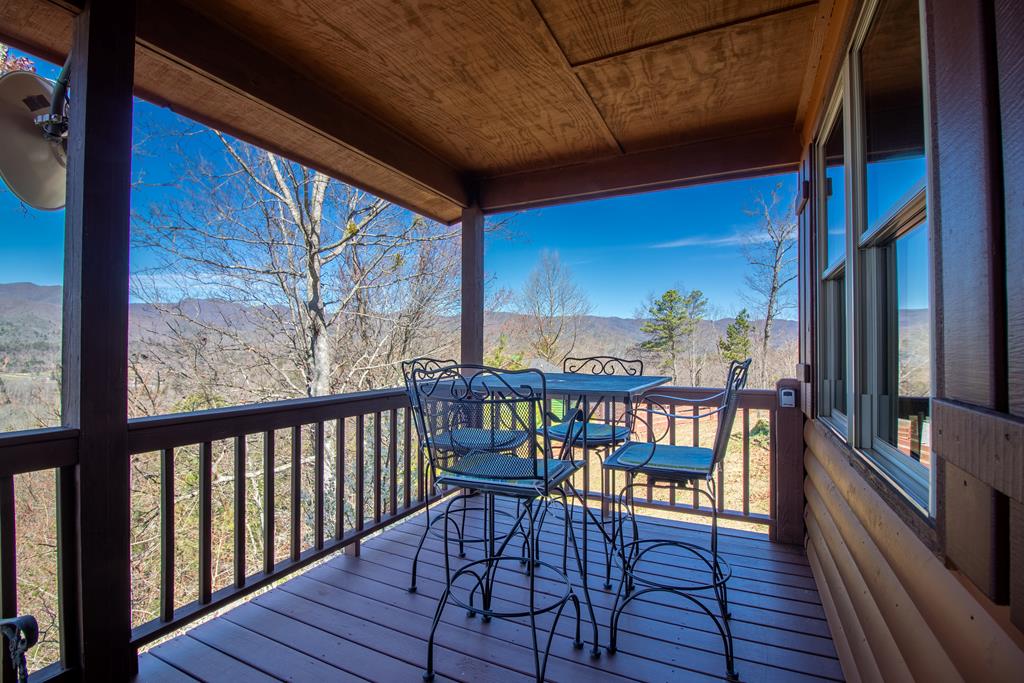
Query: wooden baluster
column 360, row 477
column 696, row 442
column 377, row 467
column 167, row 534
column 650, row 438
column 296, row 486
column 407, row 453
column 746, row 462
column 240, row 457
column 721, row 479
column 339, row 479
column 318, row 496
column 672, row 442
column 268, row 502
column 393, row 461
column 8, row 567
column 205, row 521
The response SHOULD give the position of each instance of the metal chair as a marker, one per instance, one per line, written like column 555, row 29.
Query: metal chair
column 442, row 443
column 598, row 434
column 468, row 400
column 692, row 468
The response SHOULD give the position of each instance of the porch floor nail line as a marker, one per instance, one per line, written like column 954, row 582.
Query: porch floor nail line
column 352, row 619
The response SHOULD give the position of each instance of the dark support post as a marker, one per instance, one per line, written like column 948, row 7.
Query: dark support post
column 472, row 285
column 95, row 372
column 787, row 491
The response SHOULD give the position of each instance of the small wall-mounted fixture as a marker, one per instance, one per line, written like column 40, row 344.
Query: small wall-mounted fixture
column 787, row 398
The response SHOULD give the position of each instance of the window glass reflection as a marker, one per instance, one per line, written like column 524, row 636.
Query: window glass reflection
column 835, row 194
column 893, row 109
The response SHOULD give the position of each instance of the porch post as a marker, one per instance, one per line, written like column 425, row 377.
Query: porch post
column 95, row 345
column 472, row 285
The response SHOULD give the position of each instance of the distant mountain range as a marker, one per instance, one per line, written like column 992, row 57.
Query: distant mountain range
column 30, row 320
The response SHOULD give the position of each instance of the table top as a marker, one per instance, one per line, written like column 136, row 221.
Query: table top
column 579, row 384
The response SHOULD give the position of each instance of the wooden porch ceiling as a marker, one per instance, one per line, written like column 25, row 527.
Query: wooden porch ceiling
column 508, row 104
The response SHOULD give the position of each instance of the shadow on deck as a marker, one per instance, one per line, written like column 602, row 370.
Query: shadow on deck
column 351, row 618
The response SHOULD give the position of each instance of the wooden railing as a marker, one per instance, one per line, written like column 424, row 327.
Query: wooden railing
column 378, row 477
column 367, row 472
column 737, row 499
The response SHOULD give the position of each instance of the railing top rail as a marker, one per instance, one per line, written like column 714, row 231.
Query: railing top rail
column 37, row 449
column 757, row 399
column 168, row 431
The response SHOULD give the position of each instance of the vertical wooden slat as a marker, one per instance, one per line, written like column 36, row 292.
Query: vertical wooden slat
column 650, row 437
column 318, row 496
column 67, row 567
column 8, row 569
column 721, row 483
column 746, row 461
column 205, row 521
column 377, row 493
column 393, row 461
column 167, row 534
column 360, row 477
column 339, row 479
column 94, row 366
column 360, row 471
column 240, row 528
column 421, row 470
column 407, row 454
column 295, row 521
column 268, row 502
column 672, row 442
column 695, row 436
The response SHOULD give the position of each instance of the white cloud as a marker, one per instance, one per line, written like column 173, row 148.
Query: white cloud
column 733, row 240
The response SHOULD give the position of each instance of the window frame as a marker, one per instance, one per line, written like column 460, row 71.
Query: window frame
column 865, row 302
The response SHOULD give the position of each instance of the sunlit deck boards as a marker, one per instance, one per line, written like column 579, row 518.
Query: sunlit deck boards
column 352, row 619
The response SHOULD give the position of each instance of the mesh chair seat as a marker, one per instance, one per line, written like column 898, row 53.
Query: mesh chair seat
column 686, row 462
column 598, row 433
column 475, row 438
column 487, row 471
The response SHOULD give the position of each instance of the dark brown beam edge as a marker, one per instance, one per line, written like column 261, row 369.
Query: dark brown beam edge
column 770, row 151
column 95, row 333
column 472, row 320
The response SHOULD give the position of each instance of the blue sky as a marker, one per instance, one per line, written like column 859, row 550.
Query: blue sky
column 620, row 249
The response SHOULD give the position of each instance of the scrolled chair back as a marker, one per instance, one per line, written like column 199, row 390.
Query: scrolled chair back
column 735, row 381
column 408, row 369
column 603, row 365
column 485, row 418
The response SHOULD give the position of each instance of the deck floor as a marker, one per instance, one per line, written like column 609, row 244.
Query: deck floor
column 351, row 618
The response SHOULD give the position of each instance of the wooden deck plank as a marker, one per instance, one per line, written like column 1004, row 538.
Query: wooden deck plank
column 152, row 669
column 204, row 662
column 697, row 645
column 352, row 618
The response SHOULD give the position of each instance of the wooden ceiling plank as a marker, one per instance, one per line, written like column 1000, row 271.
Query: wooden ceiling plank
column 742, row 78
column 181, row 34
column 771, row 151
column 737, row 21
column 594, row 29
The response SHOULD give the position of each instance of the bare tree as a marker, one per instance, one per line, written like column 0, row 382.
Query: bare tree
column 272, row 280
column 552, row 306
column 772, row 256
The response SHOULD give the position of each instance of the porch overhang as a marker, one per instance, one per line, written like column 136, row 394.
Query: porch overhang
column 505, row 106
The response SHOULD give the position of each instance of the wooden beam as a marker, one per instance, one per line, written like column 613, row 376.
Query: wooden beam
column 769, row 151
column 832, row 29
column 787, row 499
column 184, row 36
column 95, row 373
column 472, row 285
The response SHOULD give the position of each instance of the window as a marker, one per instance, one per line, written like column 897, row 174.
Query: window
column 874, row 312
column 833, row 274
column 894, row 247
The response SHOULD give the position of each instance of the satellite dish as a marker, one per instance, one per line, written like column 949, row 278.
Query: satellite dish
column 33, row 162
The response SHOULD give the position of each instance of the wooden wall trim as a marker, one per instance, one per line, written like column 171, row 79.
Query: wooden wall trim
column 976, row 644
column 922, row 652
column 770, row 151
column 985, row 444
column 834, row 25
column 839, row 638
